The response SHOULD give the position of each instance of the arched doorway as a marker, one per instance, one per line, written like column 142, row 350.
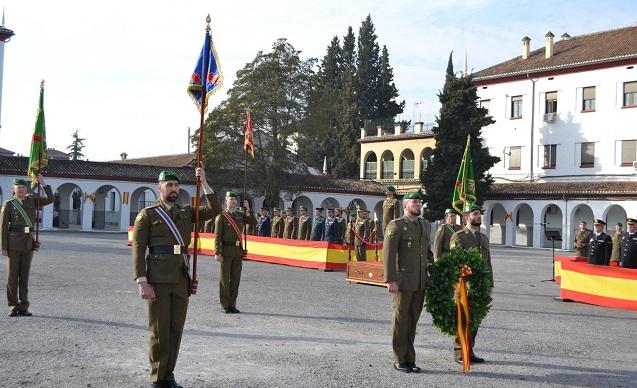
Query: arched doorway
column 551, row 221
column 387, row 165
column 407, row 164
column 67, row 208
column 425, row 159
column 371, row 166
column 378, row 214
column 354, row 203
column 184, row 197
column 330, row 203
column 615, row 214
column 523, row 226
column 582, row 212
column 497, row 225
column 107, row 209
column 302, row 200
column 141, row 198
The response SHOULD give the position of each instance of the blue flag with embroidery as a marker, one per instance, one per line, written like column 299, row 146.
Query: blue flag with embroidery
column 207, row 77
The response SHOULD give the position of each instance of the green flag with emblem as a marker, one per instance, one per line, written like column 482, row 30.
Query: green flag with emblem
column 38, row 157
column 464, row 192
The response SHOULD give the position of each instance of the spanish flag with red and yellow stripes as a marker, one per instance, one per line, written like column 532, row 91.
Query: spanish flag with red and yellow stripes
column 247, row 144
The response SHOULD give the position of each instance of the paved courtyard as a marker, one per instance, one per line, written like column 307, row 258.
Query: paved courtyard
column 298, row 328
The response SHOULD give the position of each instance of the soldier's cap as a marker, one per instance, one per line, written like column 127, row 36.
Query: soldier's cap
column 320, row 208
column 390, row 188
column 231, row 194
column 19, row 182
column 631, row 221
column 338, row 209
column 167, row 175
column 330, row 209
column 620, row 224
column 302, row 208
column 359, row 208
column 450, row 211
column 583, row 222
column 413, row 195
column 474, row 208
column 264, row 208
column 289, row 209
column 276, row 209
column 598, row 222
column 352, row 214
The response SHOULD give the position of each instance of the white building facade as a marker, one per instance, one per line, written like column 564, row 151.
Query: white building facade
column 566, row 133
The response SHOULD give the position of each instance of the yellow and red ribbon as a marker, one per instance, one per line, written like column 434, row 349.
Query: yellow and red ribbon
column 463, row 318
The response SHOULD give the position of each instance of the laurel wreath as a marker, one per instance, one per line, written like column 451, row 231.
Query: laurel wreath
column 444, row 273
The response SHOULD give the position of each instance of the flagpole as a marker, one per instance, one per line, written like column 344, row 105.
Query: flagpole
column 245, row 188
column 36, row 243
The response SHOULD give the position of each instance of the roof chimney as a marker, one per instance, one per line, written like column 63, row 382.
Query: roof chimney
column 549, row 45
column 565, row 36
column 526, row 47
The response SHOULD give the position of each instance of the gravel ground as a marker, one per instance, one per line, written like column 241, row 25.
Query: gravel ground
column 298, row 328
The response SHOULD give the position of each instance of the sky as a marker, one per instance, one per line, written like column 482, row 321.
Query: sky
column 117, row 70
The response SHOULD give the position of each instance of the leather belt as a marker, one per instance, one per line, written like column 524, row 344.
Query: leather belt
column 167, row 249
column 230, row 243
column 19, row 228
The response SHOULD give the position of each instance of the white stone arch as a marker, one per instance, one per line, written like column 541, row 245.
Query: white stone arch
column 614, row 214
column 407, row 164
column 140, row 198
column 370, row 166
column 107, row 208
column 425, row 158
column 523, row 217
column 497, row 224
column 184, row 197
column 302, row 200
column 68, row 206
column 582, row 212
column 378, row 213
column 387, row 165
column 552, row 219
column 330, row 203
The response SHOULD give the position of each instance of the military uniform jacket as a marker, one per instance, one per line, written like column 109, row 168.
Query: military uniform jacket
column 465, row 239
column 12, row 229
column 599, row 249
column 290, row 227
column 406, row 253
column 628, row 250
column 227, row 242
column 264, row 226
column 251, row 223
column 331, row 229
column 582, row 239
column 342, row 228
column 391, row 211
column 442, row 240
column 305, row 227
column 616, row 239
column 318, row 228
column 362, row 228
column 277, row 227
column 151, row 230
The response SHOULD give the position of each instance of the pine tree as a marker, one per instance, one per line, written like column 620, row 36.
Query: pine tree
column 459, row 116
column 387, row 91
column 367, row 71
column 76, row 146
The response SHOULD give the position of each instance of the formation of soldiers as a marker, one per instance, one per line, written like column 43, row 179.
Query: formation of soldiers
column 619, row 248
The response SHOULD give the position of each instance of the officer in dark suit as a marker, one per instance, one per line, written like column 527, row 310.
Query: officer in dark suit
column 471, row 237
column 264, row 224
column 600, row 245
column 318, row 225
column 406, row 258
column 162, row 274
column 229, row 251
column 16, row 234
column 331, row 227
column 628, row 249
column 342, row 225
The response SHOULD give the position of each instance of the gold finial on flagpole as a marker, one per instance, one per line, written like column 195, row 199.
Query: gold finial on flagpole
column 208, row 20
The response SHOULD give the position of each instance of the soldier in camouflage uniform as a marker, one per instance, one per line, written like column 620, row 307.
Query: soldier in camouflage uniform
column 277, row 223
column 290, row 224
column 582, row 239
column 616, row 238
column 442, row 240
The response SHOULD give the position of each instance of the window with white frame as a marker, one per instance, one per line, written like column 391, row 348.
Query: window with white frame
column 588, row 99
column 515, row 157
column 587, row 156
column 550, row 105
column 516, row 107
column 550, row 156
column 630, row 93
column 486, row 104
column 629, row 152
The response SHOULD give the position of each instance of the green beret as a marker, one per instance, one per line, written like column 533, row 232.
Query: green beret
column 276, row 209
column 598, row 222
column 352, row 214
column 167, row 175
column 476, row 207
column 231, row 194
column 619, row 224
column 413, row 195
column 583, row 222
column 390, row 188
column 19, row 182
column 450, row 211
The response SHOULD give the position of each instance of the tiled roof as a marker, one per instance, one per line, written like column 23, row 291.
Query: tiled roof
column 177, row 160
column 392, row 137
column 53, row 153
column 6, row 152
column 584, row 50
column 81, row 169
column 557, row 190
